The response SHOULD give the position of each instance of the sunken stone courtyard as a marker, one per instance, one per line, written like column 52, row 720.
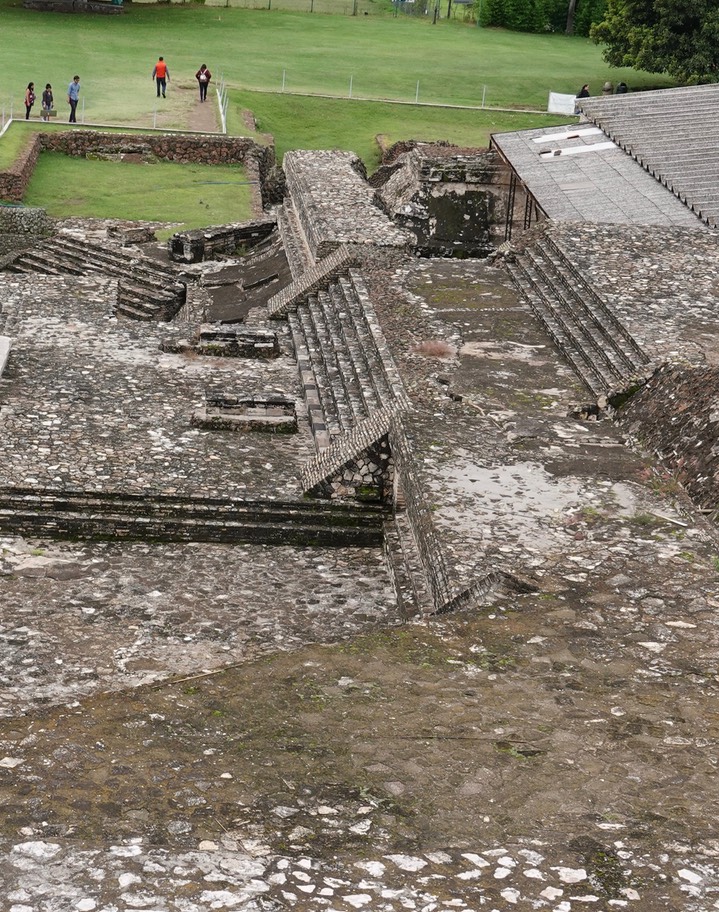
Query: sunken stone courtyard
column 364, row 556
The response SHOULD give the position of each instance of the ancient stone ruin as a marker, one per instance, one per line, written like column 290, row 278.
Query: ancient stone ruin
column 470, row 399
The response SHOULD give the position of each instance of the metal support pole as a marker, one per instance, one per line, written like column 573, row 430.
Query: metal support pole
column 284, row 74
column 351, row 78
column 484, row 94
column 416, row 94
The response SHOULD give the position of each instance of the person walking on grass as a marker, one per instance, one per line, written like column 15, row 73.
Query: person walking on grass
column 203, row 77
column 73, row 94
column 47, row 102
column 162, row 76
column 29, row 99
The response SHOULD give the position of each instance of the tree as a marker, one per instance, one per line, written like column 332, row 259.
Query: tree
column 678, row 37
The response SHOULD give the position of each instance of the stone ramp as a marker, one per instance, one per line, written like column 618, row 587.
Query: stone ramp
column 599, row 348
column 146, row 290
column 334, row 205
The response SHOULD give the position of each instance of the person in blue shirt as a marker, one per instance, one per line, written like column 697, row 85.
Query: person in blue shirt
column 73, row 93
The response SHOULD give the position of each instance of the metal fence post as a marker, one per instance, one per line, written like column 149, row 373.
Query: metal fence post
column 351, row 78
column 416, row 94
column 284, row 75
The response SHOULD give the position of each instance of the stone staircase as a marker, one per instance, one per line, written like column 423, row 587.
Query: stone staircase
column 596, row 344
column 345, row 365
column 85, row 515
column 146, row 290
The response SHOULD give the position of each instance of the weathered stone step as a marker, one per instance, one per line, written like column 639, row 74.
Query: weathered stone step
column 315, row 411
column 557, row 329
column 95, row 516
column 584, row 325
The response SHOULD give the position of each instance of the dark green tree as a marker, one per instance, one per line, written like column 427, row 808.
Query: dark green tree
column 678, row 37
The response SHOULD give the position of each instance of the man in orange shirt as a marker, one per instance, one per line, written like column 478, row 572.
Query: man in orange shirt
column 162, row 76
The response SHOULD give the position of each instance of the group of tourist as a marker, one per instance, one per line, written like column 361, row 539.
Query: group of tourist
column 48, row 100
column 160, row 74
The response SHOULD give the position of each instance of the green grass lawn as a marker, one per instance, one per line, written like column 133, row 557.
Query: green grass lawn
column 385, row 57
column 376, row 56
column 322, row 123
column 190, row 195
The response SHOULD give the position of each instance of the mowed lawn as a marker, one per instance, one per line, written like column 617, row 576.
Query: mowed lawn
column 188, row 196
column 384, row 57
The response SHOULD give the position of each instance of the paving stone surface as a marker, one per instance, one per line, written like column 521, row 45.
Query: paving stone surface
column 191, row 727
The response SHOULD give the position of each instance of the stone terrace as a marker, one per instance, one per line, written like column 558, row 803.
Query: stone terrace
column 90, row 403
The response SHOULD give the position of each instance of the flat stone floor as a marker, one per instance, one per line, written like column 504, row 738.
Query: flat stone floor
column 90, row 403
column 551, row 751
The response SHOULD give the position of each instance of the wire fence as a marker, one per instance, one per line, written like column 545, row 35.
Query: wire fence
column 434, row 9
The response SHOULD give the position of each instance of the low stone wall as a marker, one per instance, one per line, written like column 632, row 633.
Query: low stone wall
column 20, row 227
column 185, row 149
column 14, row 181
column 74, row 6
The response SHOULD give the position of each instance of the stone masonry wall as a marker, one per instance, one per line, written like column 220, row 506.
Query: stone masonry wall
column 451, row 199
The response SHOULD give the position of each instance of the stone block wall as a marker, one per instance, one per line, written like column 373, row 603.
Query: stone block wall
column 21, row 227
column 204, row 243
column 419, row 513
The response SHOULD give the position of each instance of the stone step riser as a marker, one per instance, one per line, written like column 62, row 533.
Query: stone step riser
column 583, row 366
column 337, row 369
column 67, row 526
column 628, row 343
column 583, row 325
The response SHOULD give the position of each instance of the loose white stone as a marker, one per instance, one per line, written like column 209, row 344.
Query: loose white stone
column 10, row 762
column 476, row 859
column 506, row 861
column 307, row 888
column 129, row 851
column 126, row 880
column 501, row 872
column 551, row 893
column 302, row 876
column 439, row 857
column 86, row 905
column 470, row 875
column 358, row 900
column 534, row 874
column 361, row 828
column 225, row 775
column 407, row 862
column 571, row 875
column 207, row 845
column 534, row 858
column 690, row 876
column 375, row 868
column 654, row 647
column 510, row 895
column 40, row 850
column 326, row 811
